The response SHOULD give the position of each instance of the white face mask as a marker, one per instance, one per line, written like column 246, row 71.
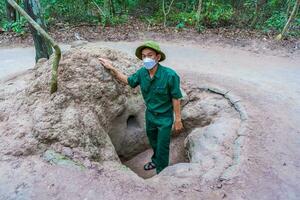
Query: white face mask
column 149, row 63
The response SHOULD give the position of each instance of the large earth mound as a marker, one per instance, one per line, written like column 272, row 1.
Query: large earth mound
column 77, row 142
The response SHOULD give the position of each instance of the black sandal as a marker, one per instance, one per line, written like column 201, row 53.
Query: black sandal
column 149, row 166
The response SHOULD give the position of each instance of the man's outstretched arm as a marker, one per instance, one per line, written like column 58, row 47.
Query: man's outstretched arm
column 119, row 75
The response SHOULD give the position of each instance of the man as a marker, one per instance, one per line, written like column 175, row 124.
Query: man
column 160, row 87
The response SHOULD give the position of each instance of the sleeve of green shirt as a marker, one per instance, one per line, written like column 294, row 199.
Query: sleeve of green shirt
column 134, row 79
column 174, row 83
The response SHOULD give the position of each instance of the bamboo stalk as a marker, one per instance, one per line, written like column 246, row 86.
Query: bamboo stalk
column 286, row 27
column 57, row 55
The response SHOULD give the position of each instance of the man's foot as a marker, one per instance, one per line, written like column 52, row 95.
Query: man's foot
column 149, row 166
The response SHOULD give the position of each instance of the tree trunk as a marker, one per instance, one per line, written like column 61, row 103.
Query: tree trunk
column 292, row 16
column 288, row 7
column 42, row 47
column 57, row 54
column 254, row 21
column 236, row 4
column 198, row 14
column 166, row 12
column 237, row 10
column 124, row 5
column 106, row 8
column 186, row 5
column 259, row 4
column 112, row 8
column 11, row 14
column 101, row 13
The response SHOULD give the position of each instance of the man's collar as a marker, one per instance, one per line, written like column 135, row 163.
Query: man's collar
column 157, row 74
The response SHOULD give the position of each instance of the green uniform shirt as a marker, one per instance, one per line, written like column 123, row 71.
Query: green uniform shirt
column 159, row 91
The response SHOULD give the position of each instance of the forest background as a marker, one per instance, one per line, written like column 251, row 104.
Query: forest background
column 265, row 16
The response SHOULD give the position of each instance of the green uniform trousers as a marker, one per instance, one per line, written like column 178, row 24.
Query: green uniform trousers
column 158, row 128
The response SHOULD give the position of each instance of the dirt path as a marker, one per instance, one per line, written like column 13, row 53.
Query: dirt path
column 269, row 88
column 16, row 60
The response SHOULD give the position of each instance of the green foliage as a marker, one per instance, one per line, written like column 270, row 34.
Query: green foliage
column 115, row 20
column 294, row 29
column 212, row 15
column 180, row 25
column 184, row 18
column 200, row 28
column 216, row 14
column 268, row 16
column 79, row 11
column 2, row 10
column 17, row 26
column 156, row 18
column 276, row 21
column 72, row 11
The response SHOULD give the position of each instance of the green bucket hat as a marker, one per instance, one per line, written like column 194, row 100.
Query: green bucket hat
column 152, row 45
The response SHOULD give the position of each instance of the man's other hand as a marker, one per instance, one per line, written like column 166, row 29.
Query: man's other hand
column 178, row 127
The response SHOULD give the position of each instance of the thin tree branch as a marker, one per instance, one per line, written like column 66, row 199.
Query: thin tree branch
column 57, row 54
column 99, row 9
column 164, row 11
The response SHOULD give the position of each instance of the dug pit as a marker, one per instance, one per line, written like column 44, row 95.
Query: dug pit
column 211, row 124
